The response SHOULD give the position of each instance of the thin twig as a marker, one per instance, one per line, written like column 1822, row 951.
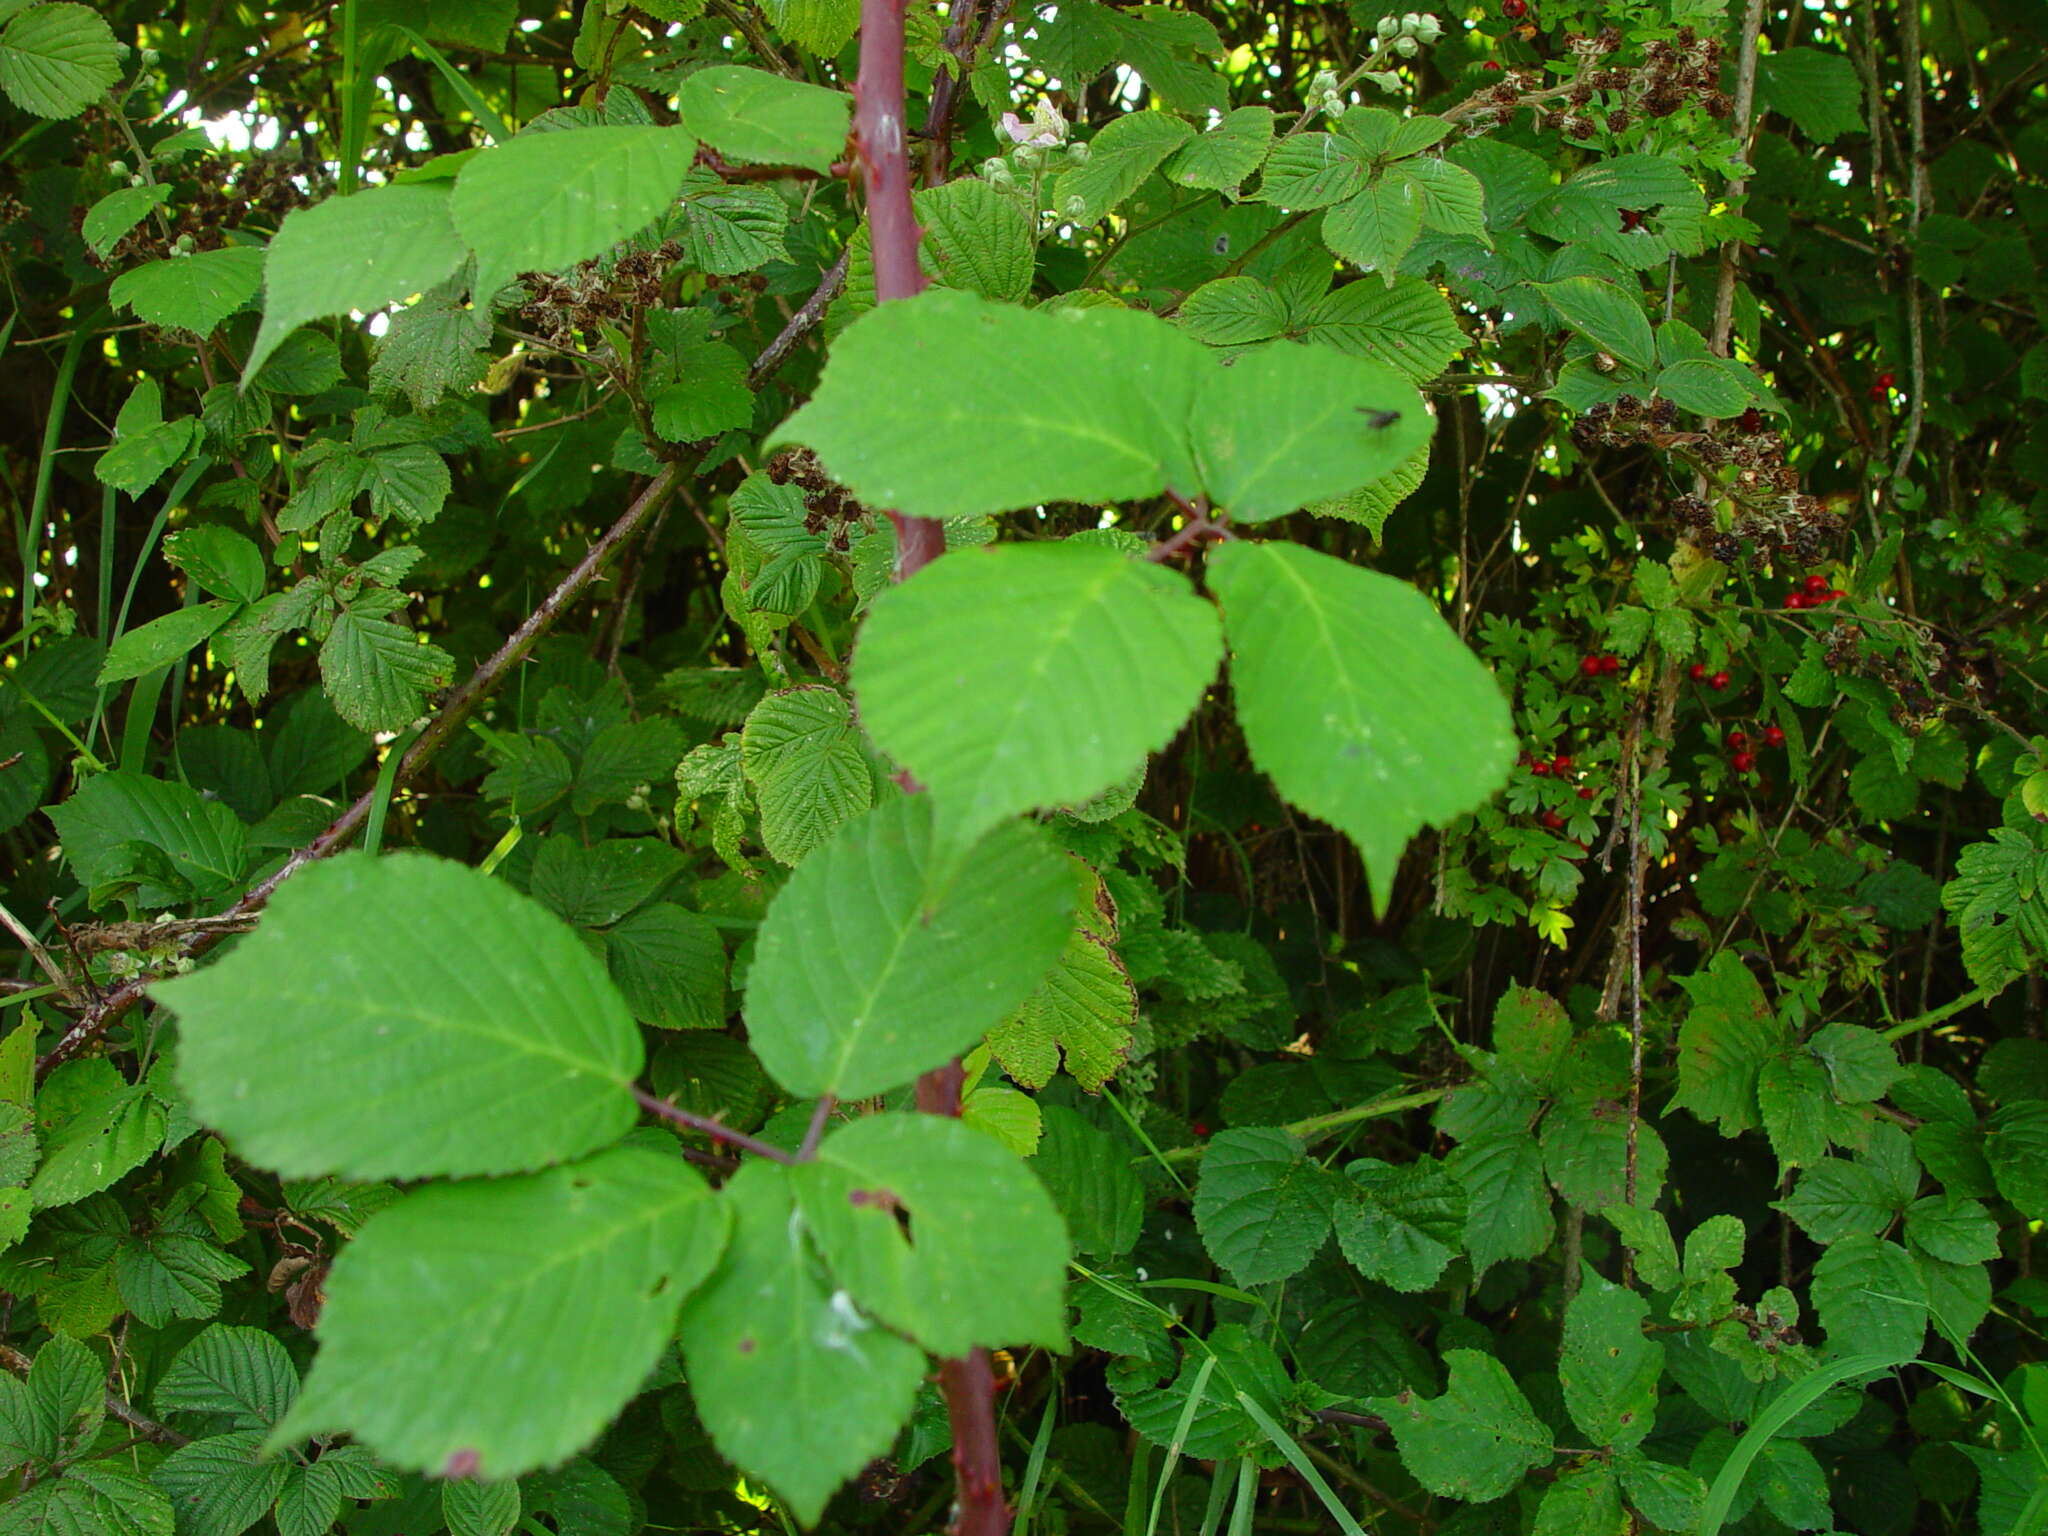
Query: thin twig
column 1743, row 127
column 34, row 946
column 1916, row 165
column 821, row 1116
column 801, row 323
column 705, row 1125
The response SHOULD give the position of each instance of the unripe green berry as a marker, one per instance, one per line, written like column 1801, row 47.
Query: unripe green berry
column 151, row 57
column 1077, row 154
column 117, row 169
column 1075, row 207
column 136, row 181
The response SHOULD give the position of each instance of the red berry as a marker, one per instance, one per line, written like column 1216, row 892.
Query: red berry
column 1737, row 740
column 1199, row 1129
column 1796, row 600
column 1832, row 594
column 1514, row 10
column 1491, row 67
column 1887, row 380
column 1610, row 664
column 1879, row 392
column 1815, row 584
column 1561, row 764
column 1551, row 820
column 1773, row 736
column 1589, row 666
column 1742, row 762
column 1541, row 768
column 1718, row 681
column 1697, row 671
column 1585, row 791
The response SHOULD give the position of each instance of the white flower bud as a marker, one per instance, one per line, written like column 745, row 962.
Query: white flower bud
column 1028, row 156
column 997, row 170
column 1077, row 154
column 1075, row 207
column 1407, row 47
column 1387, row 28
column 118, row 169
column 1324, row 84
column 1410, row 24
column 137, row 181
column 151, row 57
column 1428, row 28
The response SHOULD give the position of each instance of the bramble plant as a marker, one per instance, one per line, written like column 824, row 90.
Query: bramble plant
column 898, row 768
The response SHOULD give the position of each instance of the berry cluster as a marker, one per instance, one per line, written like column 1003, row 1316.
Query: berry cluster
column 1599, row 664
column 1558, row 766
column 216, row 194
column 1881, row 387
column 593, row 293
column 1715, row 680
column 826, row 502
column 1813, row 592
column 1742, row 755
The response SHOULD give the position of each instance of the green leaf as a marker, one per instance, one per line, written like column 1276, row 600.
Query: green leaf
column 597, row 885
column 548, row 200
column 169, row 1274
column 801, row 750
column 1409, row 327
column 1401, row 1225
column 1374, row 229
column 2016, row 1146
column 192, row 293
column 94, row 1126
column 312, row 1498
column 57, row 60
column 670, row 964
column 1609, row 1371
column 1508, row 1204
column 224, row 562
column 756, row 118
column 454, row 1312
column 794, row 1384
column 1120, row 157
column 1233, row 311
column 1082, row 1011
column 1222, row 158
column 90, row 1499
column 1288, row 425
column 988, row 1262
column 1214, row 1425
column 1311, row 170
column 1954, row 1230
column 379, row 246
column 107, row 220
column 1263, row 1206
column 1606, row 316
column 195, row 847
column 1585, row 1153
column 1723, row 1044
column 1706, row 386
column 928, row 950
column 1861, row 1063
column 1818, row 90
column 1091, row 1179
column 472, row 1508
column 163, row 641
column 441, row 1024
column 377, row 672
column 1476, row 1441
column 1870, row 1299
column 1025, row 675
column 217, row 1485
column 728, row 228
column 243, row 1373
column 1453, row 199
column 904, row 401
column 976, row 238
column 1411, row 729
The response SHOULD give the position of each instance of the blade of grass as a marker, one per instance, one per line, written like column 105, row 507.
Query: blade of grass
column 1197, row 1393
column 179, row 488
column 30, row 536
column 1139, row 1131
column 1247, row 1504
column 1034, row 1466
column 1135, row 1490
column 1219, row 1495
column 1786, row 1406
column 1284, row 1443
column 491, row 123
column 387, row 776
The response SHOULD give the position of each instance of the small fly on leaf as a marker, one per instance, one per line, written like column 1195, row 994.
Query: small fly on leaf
column 1379, row 421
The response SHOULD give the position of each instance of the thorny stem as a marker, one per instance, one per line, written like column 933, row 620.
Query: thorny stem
column 967, row 1383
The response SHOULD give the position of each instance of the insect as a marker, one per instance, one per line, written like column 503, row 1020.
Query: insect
column 1379, row 421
